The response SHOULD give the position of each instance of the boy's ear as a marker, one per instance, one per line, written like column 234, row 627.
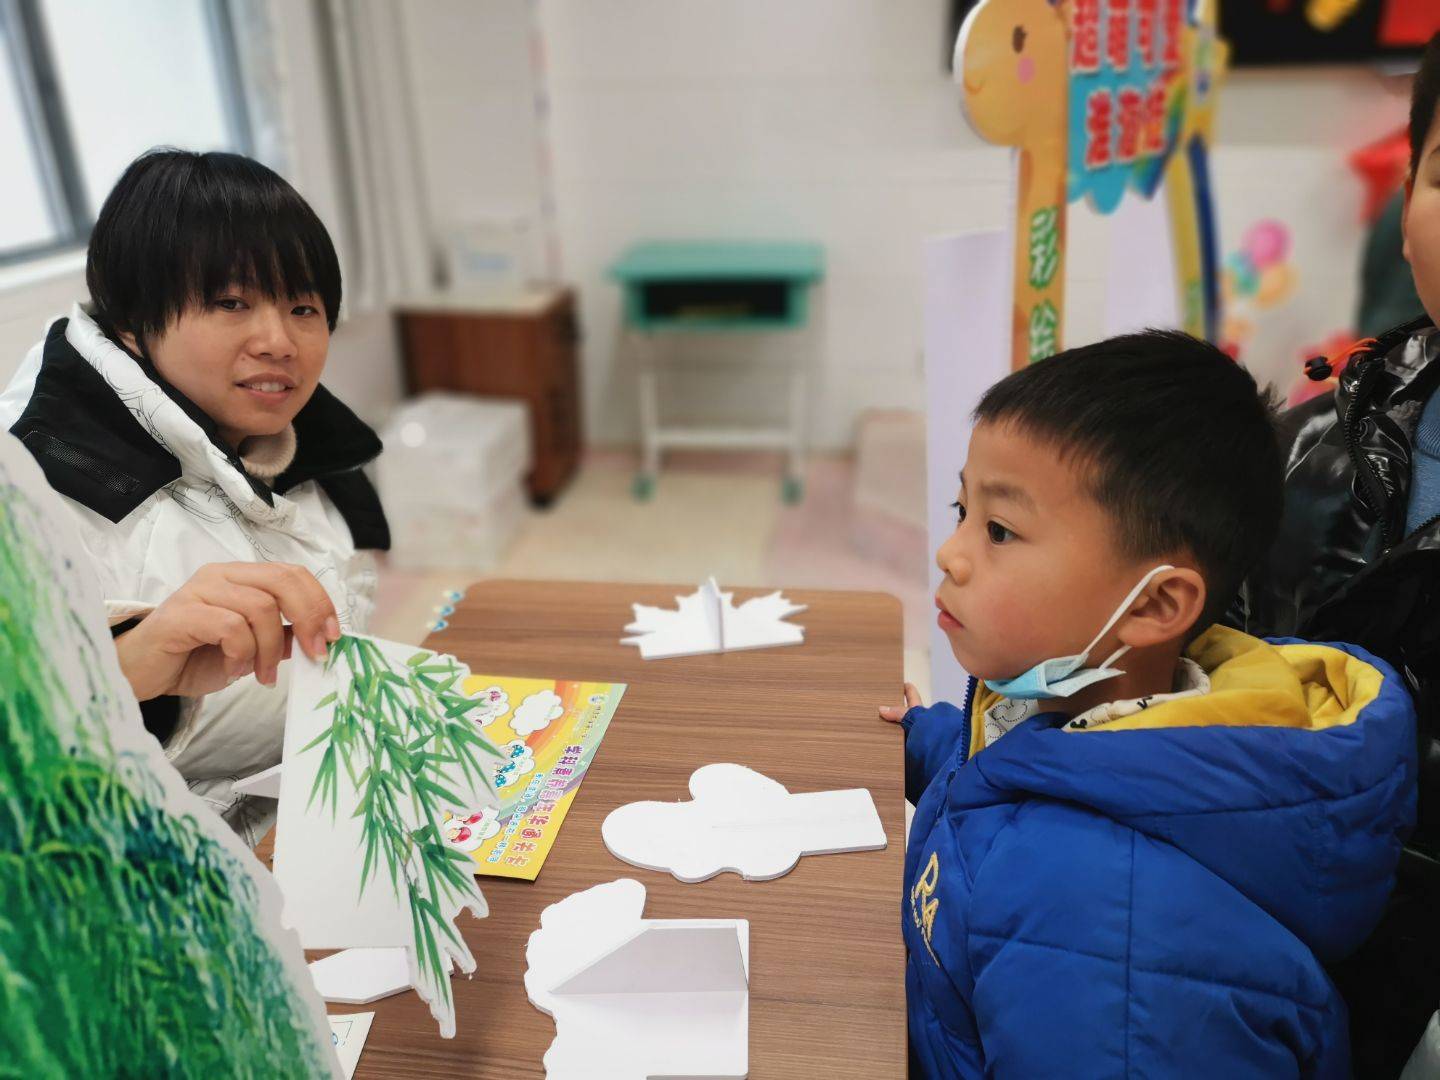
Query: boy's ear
column 1167, row 610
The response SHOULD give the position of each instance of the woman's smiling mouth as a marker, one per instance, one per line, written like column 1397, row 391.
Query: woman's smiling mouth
column 270, row 389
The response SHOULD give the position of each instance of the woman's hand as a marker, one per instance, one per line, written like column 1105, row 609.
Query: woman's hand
column 224, row 623
column 895, row 713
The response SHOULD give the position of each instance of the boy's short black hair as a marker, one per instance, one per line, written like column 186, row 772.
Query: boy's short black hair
column 1178, row 441
column 1424, row 99
column 179, row 228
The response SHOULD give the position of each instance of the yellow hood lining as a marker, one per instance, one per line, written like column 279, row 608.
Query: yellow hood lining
column 1252, row 684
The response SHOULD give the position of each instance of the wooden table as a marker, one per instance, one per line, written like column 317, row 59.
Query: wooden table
column 827, row 988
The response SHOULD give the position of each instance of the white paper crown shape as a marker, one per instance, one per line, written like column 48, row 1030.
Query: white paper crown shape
column 635, row 998
column 744, row 822
column 707, row 621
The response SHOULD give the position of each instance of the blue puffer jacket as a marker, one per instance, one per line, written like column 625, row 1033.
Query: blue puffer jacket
column 1155, row 897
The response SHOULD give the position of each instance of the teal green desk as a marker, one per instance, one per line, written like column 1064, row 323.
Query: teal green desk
column 716, row 287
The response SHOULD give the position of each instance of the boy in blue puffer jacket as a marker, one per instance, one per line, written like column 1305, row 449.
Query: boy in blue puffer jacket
column 1135, row 859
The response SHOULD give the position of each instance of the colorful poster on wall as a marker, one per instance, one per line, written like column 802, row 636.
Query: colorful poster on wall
column 1126, row 96
column 1193, row 229
column 1011, row 62
column 1326, row 31
column 1099, row 98
column 548, row 732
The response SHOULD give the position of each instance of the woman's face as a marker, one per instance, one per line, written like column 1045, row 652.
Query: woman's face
column 249, row 361
column 1422, row 222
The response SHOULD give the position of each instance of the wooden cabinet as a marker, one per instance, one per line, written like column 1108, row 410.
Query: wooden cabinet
column 523, row 347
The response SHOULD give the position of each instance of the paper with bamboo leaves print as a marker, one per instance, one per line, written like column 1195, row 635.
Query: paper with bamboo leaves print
column 138, row 935
column 380, row 750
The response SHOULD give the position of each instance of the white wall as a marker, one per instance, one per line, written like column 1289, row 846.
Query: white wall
column 832, row 120
column 28, row 301
column 471, row 70
column 828, row 120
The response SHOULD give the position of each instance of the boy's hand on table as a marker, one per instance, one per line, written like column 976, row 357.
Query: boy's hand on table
column 896, row 713
column 224, row 623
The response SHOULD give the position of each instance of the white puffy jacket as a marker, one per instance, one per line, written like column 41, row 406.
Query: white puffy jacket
column 157, row 496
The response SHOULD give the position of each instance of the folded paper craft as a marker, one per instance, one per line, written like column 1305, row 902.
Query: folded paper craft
column 708, row 621
column 635, row 998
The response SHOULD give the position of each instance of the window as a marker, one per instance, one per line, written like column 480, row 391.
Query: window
column 85, row 87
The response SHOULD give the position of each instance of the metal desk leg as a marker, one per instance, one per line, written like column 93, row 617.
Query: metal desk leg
column 644, row 486
column 793, row 486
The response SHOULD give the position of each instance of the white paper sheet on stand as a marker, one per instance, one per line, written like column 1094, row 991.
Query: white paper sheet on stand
column 635, row 998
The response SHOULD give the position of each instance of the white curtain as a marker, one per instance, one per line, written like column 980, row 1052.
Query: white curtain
column 357, row 143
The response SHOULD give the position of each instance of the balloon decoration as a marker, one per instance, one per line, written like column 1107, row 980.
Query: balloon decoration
column 1257, row 277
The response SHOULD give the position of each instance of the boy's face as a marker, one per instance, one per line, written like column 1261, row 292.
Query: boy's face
column 250, row 362
column 1422, row 224
column 1032, row 570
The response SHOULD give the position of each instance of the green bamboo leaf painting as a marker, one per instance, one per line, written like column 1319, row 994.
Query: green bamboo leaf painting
column 132, row 938
column 405, row 746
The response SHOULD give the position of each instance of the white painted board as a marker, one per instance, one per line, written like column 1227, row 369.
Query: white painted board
column 264, row 784
column 1141, row 291
column 741, row 821
column 635, row 998
column 968, row 304
column 360, row 976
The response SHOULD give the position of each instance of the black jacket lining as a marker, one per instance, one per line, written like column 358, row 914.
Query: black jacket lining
column 92, row 448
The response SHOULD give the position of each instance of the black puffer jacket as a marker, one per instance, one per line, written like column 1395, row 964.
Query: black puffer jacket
column 1344, row 569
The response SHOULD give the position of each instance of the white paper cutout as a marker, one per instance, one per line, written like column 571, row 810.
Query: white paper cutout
column 350, row 1032
column 708, row 621
column 145, row 841
column 635, row 998
column 358, row 861
column 741, row 821
column 265, row 784
column 360, row 976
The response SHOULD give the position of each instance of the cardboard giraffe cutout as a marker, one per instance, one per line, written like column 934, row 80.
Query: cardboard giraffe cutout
column 1098, row 97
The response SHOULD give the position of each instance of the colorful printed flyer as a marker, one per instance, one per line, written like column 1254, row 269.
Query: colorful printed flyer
column 548, row 732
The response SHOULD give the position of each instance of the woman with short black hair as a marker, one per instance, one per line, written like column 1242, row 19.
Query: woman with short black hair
column 181, row 414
